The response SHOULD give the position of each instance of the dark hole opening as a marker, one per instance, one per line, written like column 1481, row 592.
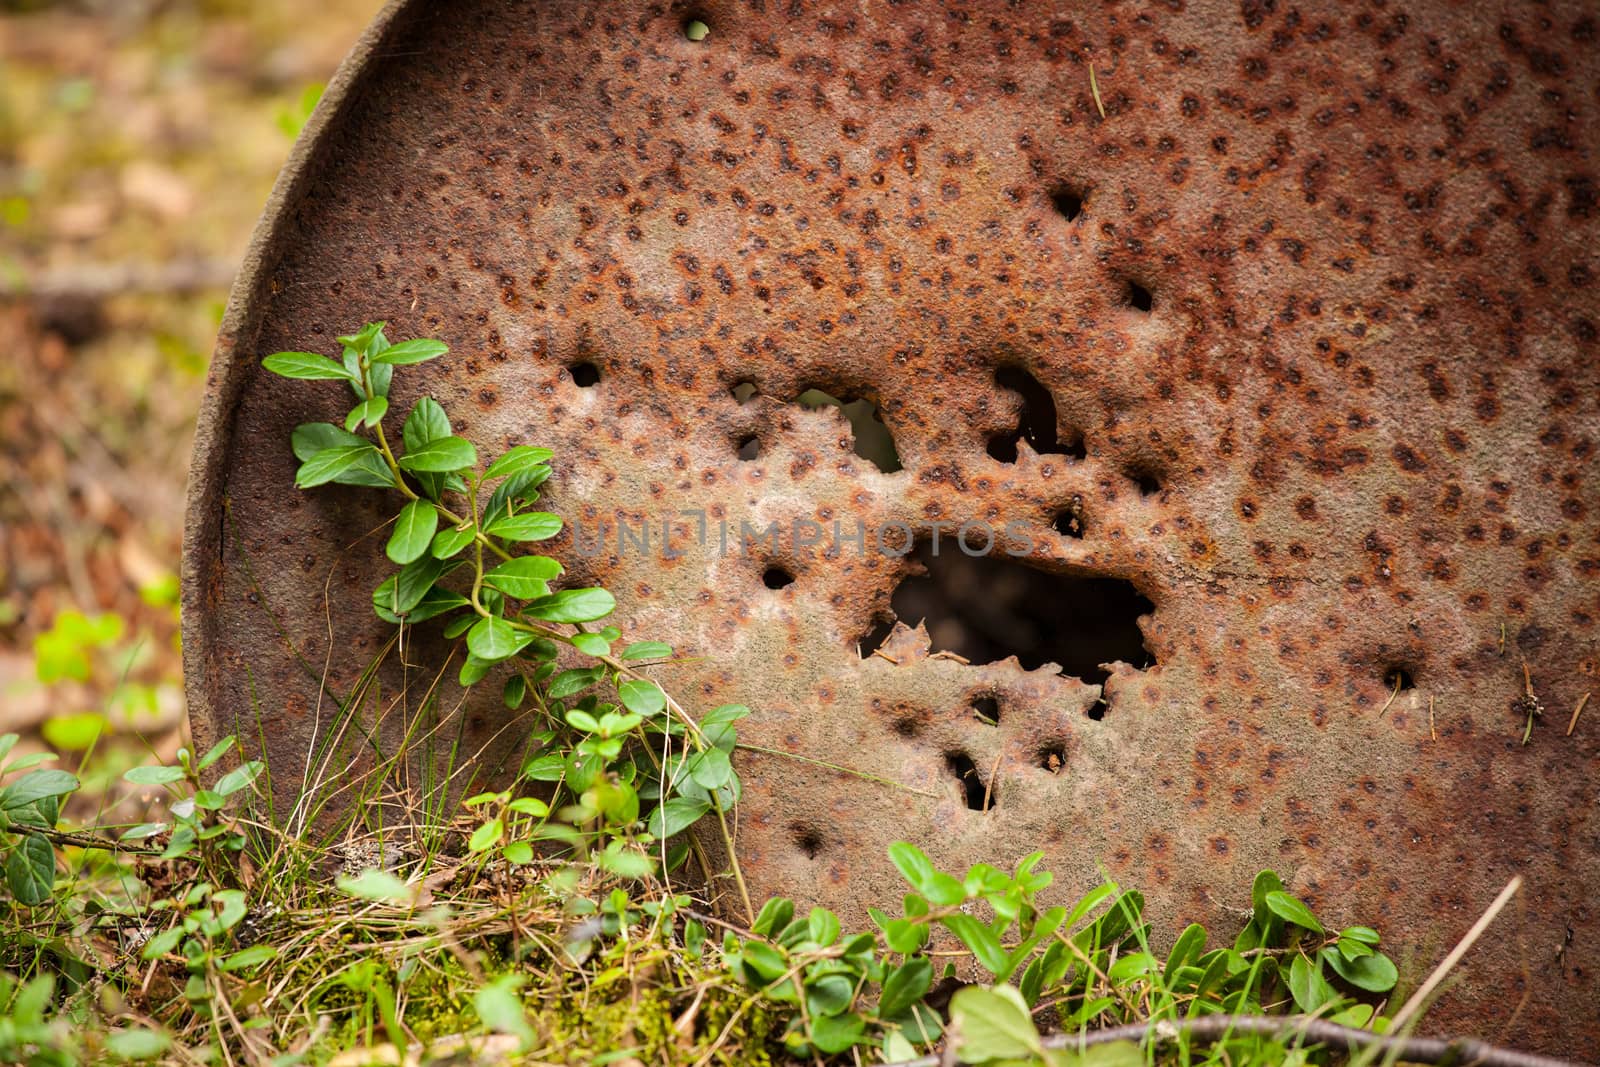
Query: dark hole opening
column 1036, row 422
column 1068, row 202
column 1053, row 758
column 750, row 448
column 1148, row 481
column 875, row 637
column 584, row 375
column 1097, row 710
column 808, row 841
column 776, row 578
column 872, row 439
column 1069, row 520
column 973, row 786
column 1399, row 678
column 987, row 708
column 907, row 726
column 1139, row 297
column 743, row 391
column 985, row 608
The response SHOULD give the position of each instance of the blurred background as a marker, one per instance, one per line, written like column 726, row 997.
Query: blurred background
column 138, row 142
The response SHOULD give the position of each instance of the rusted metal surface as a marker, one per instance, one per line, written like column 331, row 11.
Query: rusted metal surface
column 1362, row 403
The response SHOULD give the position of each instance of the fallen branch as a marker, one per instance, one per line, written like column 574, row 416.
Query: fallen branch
column 1307, row 1029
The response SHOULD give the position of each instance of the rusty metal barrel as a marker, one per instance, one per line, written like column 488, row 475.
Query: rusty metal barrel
column 1241, row 358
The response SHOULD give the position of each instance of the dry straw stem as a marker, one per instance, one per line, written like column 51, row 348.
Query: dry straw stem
column 1573, row 724
column 1420, row 997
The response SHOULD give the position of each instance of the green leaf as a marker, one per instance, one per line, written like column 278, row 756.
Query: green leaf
column 517, row 460
column 216, row 752
column 307, row 366
column 574, row 681
column 332, row 463
column 1266, row 882
column 1188, row 947
column 912, row 863
column 369, row 412
column 573, row 605
column 833, row 1034
column 154, row 775
column 246, row 958
column 1306, row 984
column 35, row 786
column 240, row 777
column 646, row 650
column 677, row 815
column 514, row 692
column 31, row 870
column 312, row 438
column 500, row 1008
column 452, row 539
column 427, row 422
column 486, row 836
column 518, row 852
column 643, row 697
column 436, row 601
column 905, row 986
column 1366, row 935
column 994, row 1024
column 710, row 769
column 823, row 925
column 524, row 577
column 1292, row 910
column 518, row 489
column 473, row 670
column 440, row 455
column 418, row 350
column 526, row 526
column 413, row 532
column 828, row 994
column 494, row 639
column 73, row 733
column 979, row 939
column 413, row 583
column 591, row 644
column 774, row 915
column 1376, row 973
column 137, row 1045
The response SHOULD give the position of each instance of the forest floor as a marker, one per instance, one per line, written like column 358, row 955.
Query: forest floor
column 138, row 141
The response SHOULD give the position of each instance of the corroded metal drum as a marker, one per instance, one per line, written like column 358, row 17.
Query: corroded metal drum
column 1243, row 357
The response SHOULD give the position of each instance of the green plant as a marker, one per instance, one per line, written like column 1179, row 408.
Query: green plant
column 29, row 809
column 628, row 765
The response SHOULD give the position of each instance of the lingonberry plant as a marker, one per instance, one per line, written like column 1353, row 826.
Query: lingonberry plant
column 630, row 766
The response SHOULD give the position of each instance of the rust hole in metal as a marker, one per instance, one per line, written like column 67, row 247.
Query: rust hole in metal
column 1069, row 520
column 776, row 578
column 1052, row 757
column 978, row 792
column 873, row 441
column 986, row 609
column 749, row 448
column 1036, row 423
column 808, row 839
column 1399, row 679
column 1067, row 201
column 882, row 626
column 986, row 706
column 1146, row 477
column 1140, row 298
column 696, row 28
column 742, row 392
column 585, row 375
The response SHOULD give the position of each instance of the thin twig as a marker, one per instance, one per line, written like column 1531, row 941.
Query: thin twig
column 1414, row 1005
column 1576, row 712
column 1307, row 1029
column 837, row 767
